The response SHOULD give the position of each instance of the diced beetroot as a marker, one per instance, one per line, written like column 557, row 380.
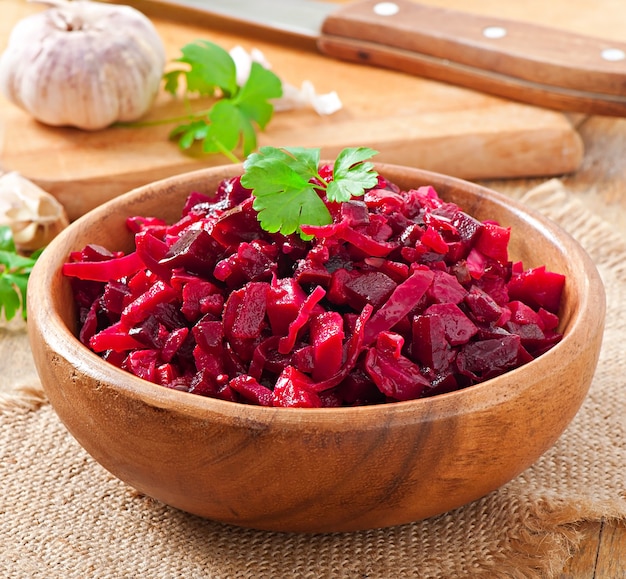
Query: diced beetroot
column 142, row 363
column 195, row 250
column 459, row 329
column 397, row 271
column 429, row 345
column 495, row 284
column 310, row 273
column 476, row 263
column 292, row 390
column 209, row 351
column 379, row 228
column 195, row 294
column 212, row 304
column 523, row 314
column 302, row 359
column 151, row 250
column 237, row 225
column 139, row 223
column 549, row 320
column 94, row 252
column 354, row 213
column 433, row 240
column 531, row 335
column 196, row 200
column 370, row 287
column 467, row 227
column 149, row 332
column 359, row 390
column 493, row 241
column 173, row 343
column 489, row 358
column 138, row 284
column 395, row 375
column 402, row 296
column 165, row 374
column 251, row 391
column 249, row 320
column 446, row 288
column 113, row 297
column 232, row 192
column 115, row 358
column 204, row 384
column 399, row 304
column 482, row 306
column 90, row 324
column 284, row 301
column 249, row 263
column 327, row 340
column 337, row 293
column 140, row 308
column 234, row 364
column 538, row 288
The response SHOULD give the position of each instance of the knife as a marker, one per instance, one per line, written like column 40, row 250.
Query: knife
column 521, row 61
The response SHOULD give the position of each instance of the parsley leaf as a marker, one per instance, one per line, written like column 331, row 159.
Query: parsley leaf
column 232, row 121
column 14, row 273
column 210, row 68
column 285, row 184
column 351, row 176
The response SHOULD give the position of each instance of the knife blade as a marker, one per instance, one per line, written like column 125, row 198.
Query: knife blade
column 521, row 61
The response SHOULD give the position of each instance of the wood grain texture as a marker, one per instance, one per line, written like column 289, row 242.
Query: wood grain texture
column 601, row 554
column 412, row 121
column 330, row 460
column 600, row 183
column 543, row 65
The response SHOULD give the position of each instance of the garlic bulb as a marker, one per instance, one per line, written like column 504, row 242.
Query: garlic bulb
column 34, row 216
column 83, row 64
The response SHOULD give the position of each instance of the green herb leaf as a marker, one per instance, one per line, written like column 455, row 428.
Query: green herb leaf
column 285, row 184
column 253, row 98
column 6, row 239
column 351, row 176
column 230, row 123
column 9, row 299
column 210, row 68
column 14, row 273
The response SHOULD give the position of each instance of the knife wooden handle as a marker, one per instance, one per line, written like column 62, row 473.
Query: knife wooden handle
column 517, row 60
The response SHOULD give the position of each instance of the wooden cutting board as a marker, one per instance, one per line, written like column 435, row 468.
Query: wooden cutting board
column 409, row 120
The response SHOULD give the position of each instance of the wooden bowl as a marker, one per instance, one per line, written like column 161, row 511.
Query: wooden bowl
column 319, row 470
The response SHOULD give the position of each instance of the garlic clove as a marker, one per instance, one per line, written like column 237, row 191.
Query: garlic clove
column 34, row 216
column 84, row 64
column 293, row 97
column 306, row 96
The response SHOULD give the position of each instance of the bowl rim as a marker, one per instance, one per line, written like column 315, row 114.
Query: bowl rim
column 483, row 395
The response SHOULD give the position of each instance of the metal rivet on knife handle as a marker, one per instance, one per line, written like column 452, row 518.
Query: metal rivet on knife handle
column 386, row 8
column 613, row 54
column 494, row 32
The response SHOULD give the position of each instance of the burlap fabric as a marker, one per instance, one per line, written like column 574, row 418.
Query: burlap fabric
column 63, row 516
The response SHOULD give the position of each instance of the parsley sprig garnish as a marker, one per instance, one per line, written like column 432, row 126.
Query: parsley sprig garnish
column 14, row 273
column 285, row 183
column 231, row 122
